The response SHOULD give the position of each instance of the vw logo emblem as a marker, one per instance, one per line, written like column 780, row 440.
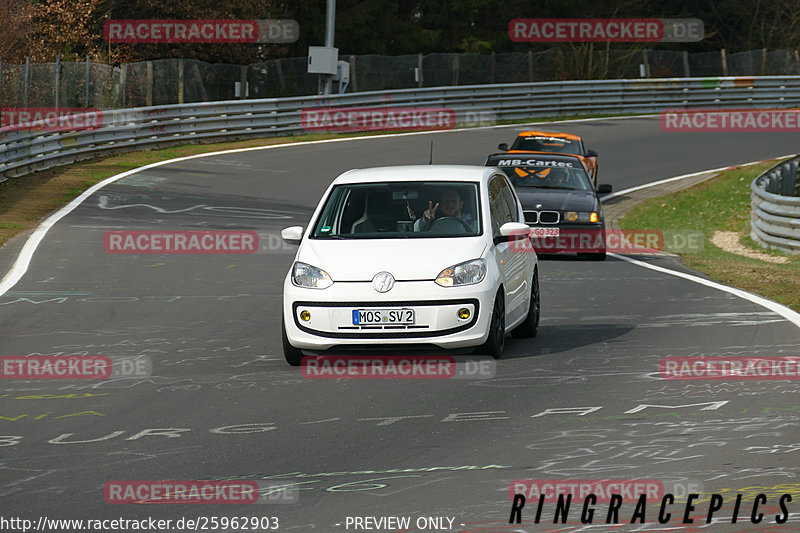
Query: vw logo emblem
column 383, row 282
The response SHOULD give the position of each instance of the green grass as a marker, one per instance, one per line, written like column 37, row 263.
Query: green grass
column 720, row 204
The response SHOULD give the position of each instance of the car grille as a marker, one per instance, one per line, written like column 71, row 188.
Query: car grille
column 542, row 217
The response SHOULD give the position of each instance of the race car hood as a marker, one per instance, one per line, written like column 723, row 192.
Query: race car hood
column 556, row 199
column 406, row 259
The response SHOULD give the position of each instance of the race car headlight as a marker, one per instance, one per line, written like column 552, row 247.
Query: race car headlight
column 467, row 273
column 311, row 277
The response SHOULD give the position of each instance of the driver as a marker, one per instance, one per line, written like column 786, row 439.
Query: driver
column 450, row 205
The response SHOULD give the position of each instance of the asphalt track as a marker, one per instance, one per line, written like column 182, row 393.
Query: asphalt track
column 223, row 404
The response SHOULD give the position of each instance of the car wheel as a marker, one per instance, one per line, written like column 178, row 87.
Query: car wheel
column 496, row 341
column 599, row 256
column 530, row 326
column 293, row 356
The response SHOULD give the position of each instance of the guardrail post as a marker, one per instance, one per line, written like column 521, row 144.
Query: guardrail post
column 1, row 92
column 492, row 68
column 88, row 77
column 242, row 83
column 646, row 63
column 279, row 70
column 686, row 71
column 26, row 81
column 123, row 82
column 456, row 64
column 788, row 176
column 180, row 81
column 763, row 61
column 149, row 82
column 724, row 57
column 353, row 76
column 419, row 70
column 200, row 85
column 58, row 78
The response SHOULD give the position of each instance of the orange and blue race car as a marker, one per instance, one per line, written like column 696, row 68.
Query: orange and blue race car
column 555, row 143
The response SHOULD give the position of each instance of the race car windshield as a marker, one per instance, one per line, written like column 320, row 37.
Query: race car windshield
column 392, row 210
column 546, row 144
column 546, row 177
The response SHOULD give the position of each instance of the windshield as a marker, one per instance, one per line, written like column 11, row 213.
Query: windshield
column 386, row 210
column 543, row 174
column 546, row 143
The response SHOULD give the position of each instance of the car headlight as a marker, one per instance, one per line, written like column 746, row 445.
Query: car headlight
column 467, row 273
column 582, row 216
column 311, row 277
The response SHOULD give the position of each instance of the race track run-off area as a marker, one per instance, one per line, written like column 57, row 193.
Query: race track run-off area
column 582, row 401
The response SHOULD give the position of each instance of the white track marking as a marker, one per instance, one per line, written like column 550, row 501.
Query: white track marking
column 775, row 307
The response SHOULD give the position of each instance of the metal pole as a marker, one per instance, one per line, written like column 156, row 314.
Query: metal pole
column 88, row 75
column 58, row 77
column 1, row 92
column 330, row 25
column 27, row 79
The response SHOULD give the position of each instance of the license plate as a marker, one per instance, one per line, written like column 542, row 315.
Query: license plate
column 544, row 232
column 383, row 316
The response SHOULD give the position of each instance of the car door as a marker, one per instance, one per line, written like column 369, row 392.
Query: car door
column 512, row 263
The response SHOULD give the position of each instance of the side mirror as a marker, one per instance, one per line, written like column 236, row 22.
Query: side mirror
column 604, row 188
column 503, row 147
column 292, row 235
column 513, row 231
column 591, row 153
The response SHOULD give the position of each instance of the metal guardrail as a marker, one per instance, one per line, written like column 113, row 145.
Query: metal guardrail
column 775, row 207
column 151, row 127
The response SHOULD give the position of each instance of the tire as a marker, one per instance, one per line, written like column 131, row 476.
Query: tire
column 292, row 355
column 496, row 341
column 530, row 326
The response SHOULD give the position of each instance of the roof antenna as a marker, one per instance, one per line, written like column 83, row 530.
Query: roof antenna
column 431, row 160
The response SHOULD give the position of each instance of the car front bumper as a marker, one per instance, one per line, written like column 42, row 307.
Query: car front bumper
column 436, row 320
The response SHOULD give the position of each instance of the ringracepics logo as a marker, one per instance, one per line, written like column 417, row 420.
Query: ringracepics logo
column 638, row 501
column 377, row 118
column 730, row 368
column 49, row 119
column 181, row 242
column 620, row 30
column 729, row 120
column 201, row 31
column 74, row 366
column 396, row 367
